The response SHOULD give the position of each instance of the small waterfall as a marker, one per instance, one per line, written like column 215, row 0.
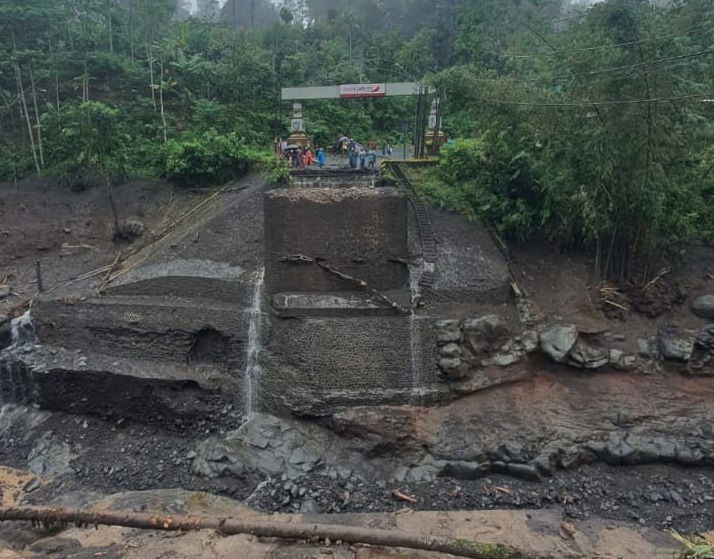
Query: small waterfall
column 22, row 330
column 415, row 273
column 252, row 367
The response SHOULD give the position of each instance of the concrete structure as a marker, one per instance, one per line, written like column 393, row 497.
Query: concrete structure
column 187, row 323
column 361, row 232
column 351, row 91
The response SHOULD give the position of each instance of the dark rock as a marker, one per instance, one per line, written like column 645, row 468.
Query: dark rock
column 588, row 356
column 49, row 457
column 667, row 450
column 309, row 507
column 485, row 334
column 703, row 350
column 674, row 347
column 499, row 467
column 654, row 497
column 524, row 471
column 450, row 350
column 648, row 452
column 447, row 331
column 622, row 362
column 461, row 469
column 513, row 451
column 4, row 291
column 453, row 368
column 544, row 464
column 676, row 498
column 528, row 341
column 647, row 347
column 5, row 334
column 689, row 456
column 32, row 485
column 703, row 306
column 558, row 340
column 132, row 228
column 55, row 545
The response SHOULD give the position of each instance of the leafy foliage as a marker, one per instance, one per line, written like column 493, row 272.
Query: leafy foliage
column 204, row 159
column 580, row 123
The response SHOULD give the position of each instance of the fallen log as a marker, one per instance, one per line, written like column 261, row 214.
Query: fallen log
column 51, row 516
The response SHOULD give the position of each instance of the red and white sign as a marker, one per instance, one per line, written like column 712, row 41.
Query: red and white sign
column 363, row 90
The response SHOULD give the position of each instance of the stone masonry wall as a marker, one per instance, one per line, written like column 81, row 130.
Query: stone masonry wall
column 361, row 232
column 318, row 365
column 169, row 330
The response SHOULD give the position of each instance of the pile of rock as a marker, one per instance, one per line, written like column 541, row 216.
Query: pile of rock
column 467, row 346
column 477, row 353
column 563, row 343
column 469, row 350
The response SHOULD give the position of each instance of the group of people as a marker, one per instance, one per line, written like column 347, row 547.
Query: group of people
column 358, row 156
column 299, row 156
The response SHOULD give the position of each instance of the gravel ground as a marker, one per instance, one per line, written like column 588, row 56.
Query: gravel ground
column 115, row 456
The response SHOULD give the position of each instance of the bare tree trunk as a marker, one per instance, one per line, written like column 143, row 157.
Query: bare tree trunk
column 112, row 203
column 151, row 74
column 21, row 90
column 37, row 116
column 57, row 99
column 85, row 83
column 161, row 99
column 111, row 31
column 262, row 528
column 131, row 28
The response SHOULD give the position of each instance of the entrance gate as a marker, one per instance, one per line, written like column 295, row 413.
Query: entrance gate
column 427, row 123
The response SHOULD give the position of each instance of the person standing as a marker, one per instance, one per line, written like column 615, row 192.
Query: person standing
column 371, row 158
column 353, row 160
column 362, row 157
column 320, row 157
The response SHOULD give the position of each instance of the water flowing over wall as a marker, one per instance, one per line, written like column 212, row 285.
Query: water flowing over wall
column 301, row 300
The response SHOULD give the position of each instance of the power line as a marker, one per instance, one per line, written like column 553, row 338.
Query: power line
column 597, row 47
column 595, row 72
column 595, row 103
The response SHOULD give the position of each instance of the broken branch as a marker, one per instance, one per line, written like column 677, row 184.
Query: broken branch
column 402, row 497
column 301, row 258
column 262, row 528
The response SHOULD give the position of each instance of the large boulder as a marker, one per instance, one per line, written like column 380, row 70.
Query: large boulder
column 674, row 346
column 485, row 334
column 704, row 306
column 558, row 340
column 703, row 351
column 588, row 355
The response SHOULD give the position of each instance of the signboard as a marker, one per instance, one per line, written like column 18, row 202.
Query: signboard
column 351, row 91
column 297, row 125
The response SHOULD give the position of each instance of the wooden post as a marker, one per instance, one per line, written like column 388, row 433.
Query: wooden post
column 38, row 273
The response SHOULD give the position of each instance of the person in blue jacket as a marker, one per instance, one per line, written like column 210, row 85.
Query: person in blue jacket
column 320, row 157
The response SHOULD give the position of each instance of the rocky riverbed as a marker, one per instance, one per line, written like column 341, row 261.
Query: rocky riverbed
column 354, row 462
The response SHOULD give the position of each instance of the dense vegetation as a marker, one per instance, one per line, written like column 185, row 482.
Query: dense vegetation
column 586, row 126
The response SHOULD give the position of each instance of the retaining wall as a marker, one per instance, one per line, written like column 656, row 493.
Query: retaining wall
column 361, row 232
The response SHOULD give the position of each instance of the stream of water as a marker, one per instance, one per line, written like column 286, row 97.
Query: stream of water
column 22, row 331
column 252, row 367
column 415, row 273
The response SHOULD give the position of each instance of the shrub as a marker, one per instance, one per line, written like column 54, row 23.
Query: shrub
column 209, row 158
column 489, row 180
column 279, row 174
